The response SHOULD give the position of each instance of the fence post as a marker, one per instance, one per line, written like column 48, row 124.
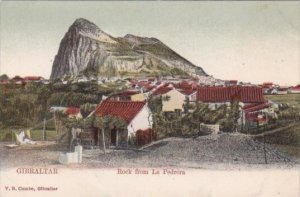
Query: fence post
column 12, row 136
column 55, row 123
column 265, row 154
column 44, row 130
column 117, row 138
column 103, row 141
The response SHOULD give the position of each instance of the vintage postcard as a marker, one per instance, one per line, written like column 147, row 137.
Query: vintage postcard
column 150, row 98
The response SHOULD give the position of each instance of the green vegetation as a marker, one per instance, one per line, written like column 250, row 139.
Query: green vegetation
column 188, row 124
column 37, row 134
column 158, row 49
column 291, row 151
column 4, row 77
column 24, row 106
column 87, row 108
column 178, row 72
column 286, row 140
column 292, row 99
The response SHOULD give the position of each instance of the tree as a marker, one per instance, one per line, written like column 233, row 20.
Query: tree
column 4, row 77
column 87, row 108
column 230, row 123
column 106, row 124
column 155, row 104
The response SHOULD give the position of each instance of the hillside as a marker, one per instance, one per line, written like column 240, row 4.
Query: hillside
column 88, row 51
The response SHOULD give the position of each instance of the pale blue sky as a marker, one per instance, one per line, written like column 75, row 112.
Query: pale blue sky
column 248, row 41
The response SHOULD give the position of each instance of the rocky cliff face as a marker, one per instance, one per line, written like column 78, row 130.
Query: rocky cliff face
column 89, row 51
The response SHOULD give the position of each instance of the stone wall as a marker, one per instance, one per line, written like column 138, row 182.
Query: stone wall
column 210, row 128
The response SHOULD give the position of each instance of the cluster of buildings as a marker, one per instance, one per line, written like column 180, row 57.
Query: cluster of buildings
column 271, row 88
column 131, row 105
column 177, row 96
column 24, row 80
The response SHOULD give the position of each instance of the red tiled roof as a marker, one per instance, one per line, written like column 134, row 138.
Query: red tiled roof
column 226, row 94
column 251, row 116
column 194, row 85
column 163, row 89
column 72, row 111
column 123, row 109
column 295, row 88
column 250, row 106
column 187, row 91
column 143, row 83
column 182, row 85
column 5, row 81
column 255, row 107
column 32, row 78
column 148, row 87
column 267, row 84
column 251, row 112
column 133, row 82
column 17, row 78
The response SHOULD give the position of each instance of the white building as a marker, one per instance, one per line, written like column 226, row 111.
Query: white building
column 136, row 114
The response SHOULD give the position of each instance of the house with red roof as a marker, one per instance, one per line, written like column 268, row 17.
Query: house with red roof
column 175, row 95
column 33, row 79
column 242, row 94
column 182, row 85
column 231, row 82
column 18, row 80
column 247, row 97
column 4, row 82
column 145, row 85
column 295, row 90
column 172, row 99
column 254, row 107
column 136, row 114
column 256, row 113
column 268, row 88
column 188, row 88
column 71, row 112
column 162, row 89
column 267, row 85
column 191, row 94
column 282, row 90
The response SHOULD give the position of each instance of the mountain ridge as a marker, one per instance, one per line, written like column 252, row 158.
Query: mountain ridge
column 87, row 50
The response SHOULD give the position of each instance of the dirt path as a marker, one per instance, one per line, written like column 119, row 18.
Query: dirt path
column 213, row 151
column 274, row 130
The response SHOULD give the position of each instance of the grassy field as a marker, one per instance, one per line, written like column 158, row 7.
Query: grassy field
column 6, row 134
column 287, row 141
column 292, row 99
column 291, row 151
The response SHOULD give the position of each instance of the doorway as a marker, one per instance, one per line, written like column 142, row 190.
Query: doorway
column 113, row 137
